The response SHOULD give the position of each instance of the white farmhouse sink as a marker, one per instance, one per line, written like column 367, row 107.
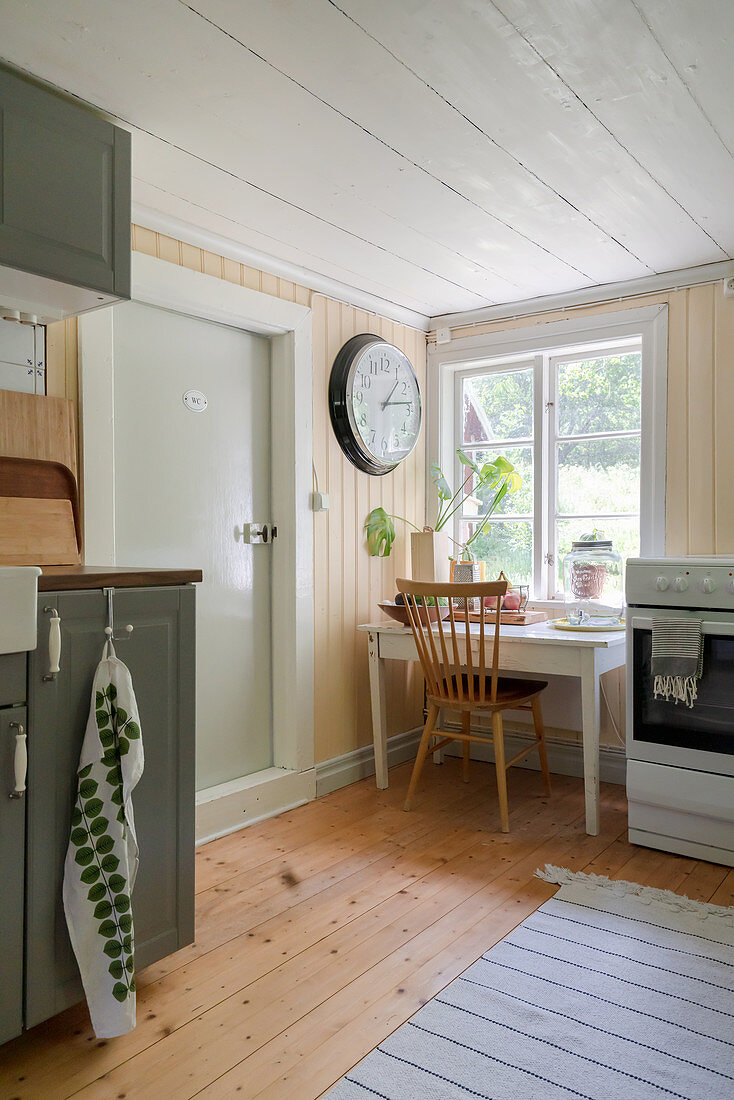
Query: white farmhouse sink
column 18, row 592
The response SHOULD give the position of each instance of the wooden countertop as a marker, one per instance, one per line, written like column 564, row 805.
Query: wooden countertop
column 55, row 578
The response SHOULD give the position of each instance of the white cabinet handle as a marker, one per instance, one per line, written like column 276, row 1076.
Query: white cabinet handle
column 20, row 761
column 54, row 643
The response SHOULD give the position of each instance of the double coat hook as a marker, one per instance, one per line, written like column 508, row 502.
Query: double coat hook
column 110, row 628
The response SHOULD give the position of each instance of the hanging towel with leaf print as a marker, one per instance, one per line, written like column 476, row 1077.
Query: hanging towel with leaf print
column 102, row 857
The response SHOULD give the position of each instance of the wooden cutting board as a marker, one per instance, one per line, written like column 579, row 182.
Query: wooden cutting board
column 36, row 427
column 37, row 532
column 510, row 618
column 39, row 513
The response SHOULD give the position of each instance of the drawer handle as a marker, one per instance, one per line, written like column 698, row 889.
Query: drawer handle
column 54, row 643
column 20, row 761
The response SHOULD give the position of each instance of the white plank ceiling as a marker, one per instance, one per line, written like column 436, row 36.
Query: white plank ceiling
column 442, row 156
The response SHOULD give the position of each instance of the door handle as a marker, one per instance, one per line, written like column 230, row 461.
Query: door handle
column 54, row 643
column 20, row 761
column 254, row 533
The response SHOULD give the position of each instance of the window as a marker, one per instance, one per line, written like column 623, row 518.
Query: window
column 578, row 419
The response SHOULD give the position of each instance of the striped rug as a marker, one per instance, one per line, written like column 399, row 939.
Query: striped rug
column 610, row 991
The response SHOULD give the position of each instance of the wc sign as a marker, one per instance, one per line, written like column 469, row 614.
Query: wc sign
column 195, row 401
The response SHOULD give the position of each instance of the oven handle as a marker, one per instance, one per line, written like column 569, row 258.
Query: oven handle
column 707, row 626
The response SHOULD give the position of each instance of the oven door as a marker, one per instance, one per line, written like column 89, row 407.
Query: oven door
column 664, row 732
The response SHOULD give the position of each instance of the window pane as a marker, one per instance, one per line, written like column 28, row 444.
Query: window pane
column 599, row 395
column 624, row 533
column 498, row 406
column 518, row 503
column 504, row 545
column 599, row 475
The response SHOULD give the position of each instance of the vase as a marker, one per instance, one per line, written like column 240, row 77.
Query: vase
column 429, row 554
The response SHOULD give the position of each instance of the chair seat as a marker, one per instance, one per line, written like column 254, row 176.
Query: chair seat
column 510, row 692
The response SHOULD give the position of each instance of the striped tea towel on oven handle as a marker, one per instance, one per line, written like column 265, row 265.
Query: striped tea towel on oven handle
column 677, row 659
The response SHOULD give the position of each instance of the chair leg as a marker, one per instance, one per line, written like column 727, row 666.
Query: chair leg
column 540, row 736
column 498, row 739
column 466, row 728
column 422, row 753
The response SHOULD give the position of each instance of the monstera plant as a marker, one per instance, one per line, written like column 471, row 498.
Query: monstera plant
column 499, row 475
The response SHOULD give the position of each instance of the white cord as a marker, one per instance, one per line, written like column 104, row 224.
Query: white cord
column 611, row 716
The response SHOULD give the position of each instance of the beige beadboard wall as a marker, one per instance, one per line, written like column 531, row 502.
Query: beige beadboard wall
column 348, row 583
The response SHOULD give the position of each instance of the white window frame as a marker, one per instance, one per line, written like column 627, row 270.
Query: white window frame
column 531, row 345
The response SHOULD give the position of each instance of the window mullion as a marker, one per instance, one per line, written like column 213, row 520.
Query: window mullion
column 540, row 496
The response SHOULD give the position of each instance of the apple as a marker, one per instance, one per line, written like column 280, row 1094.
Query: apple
column 512, row 601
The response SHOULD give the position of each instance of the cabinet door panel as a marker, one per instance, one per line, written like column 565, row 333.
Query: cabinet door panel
column 64, row 189
column 12, row 864
column 158, row 650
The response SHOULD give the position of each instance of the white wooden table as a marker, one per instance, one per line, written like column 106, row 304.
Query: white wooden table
column 538, row 649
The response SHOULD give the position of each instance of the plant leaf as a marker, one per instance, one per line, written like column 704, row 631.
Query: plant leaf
column 442, row 486
column 380, row 531
column 466, row 461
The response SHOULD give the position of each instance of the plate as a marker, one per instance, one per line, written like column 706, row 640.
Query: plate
column 564, row 624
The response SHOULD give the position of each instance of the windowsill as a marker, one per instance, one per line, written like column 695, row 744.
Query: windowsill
column 545, row 605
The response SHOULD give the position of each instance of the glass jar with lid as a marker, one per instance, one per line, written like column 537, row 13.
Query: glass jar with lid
column 593, row 583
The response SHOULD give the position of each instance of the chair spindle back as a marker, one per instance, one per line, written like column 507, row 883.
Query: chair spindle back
column 447, row 655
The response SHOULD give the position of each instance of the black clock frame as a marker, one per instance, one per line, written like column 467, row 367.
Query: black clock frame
column 338, row 407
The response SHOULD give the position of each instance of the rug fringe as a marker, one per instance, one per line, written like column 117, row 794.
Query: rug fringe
column 621, row 888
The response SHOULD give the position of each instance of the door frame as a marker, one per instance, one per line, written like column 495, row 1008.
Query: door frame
column 291, row 780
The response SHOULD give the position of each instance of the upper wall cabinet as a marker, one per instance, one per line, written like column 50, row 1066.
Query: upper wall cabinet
column 64, row 203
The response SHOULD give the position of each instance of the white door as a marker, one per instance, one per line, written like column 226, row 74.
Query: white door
column 184, row 482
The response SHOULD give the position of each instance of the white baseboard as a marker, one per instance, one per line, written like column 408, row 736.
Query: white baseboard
column 359, row 763
column 564, row 758
column 230, row 806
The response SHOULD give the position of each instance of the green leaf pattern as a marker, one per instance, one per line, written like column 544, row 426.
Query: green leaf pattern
column 100, row 838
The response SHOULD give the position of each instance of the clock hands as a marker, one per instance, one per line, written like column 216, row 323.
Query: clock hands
column 386, row 402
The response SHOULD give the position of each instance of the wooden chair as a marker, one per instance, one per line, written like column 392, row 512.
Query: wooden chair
column 456, row 681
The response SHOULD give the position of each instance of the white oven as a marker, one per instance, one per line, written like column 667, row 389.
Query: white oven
column 680, row 760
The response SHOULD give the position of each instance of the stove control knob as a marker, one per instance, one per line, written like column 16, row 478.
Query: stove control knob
column 662, row 583
column 680, row 584
column 707, row 585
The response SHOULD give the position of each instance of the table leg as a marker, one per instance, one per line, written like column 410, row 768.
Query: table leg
column 590, row 719
column 379, row 716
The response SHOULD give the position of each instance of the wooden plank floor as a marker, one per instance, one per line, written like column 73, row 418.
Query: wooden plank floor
column 320, row 931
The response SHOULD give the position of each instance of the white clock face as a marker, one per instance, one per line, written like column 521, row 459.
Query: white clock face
column 384, row 403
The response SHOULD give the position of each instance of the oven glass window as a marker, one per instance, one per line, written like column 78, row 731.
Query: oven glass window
column 707, row 726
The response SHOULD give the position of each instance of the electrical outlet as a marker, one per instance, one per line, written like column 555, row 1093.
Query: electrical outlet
column 320, row 502
column 729, row 287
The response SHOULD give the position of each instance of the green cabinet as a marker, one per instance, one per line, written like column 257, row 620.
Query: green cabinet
column 160, row 655
column 65, row 175
column 12, row 843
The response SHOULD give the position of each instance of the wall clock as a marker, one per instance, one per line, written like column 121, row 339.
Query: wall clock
column 375, row 403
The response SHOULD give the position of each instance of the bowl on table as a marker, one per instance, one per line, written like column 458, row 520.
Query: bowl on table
column 399, row 612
